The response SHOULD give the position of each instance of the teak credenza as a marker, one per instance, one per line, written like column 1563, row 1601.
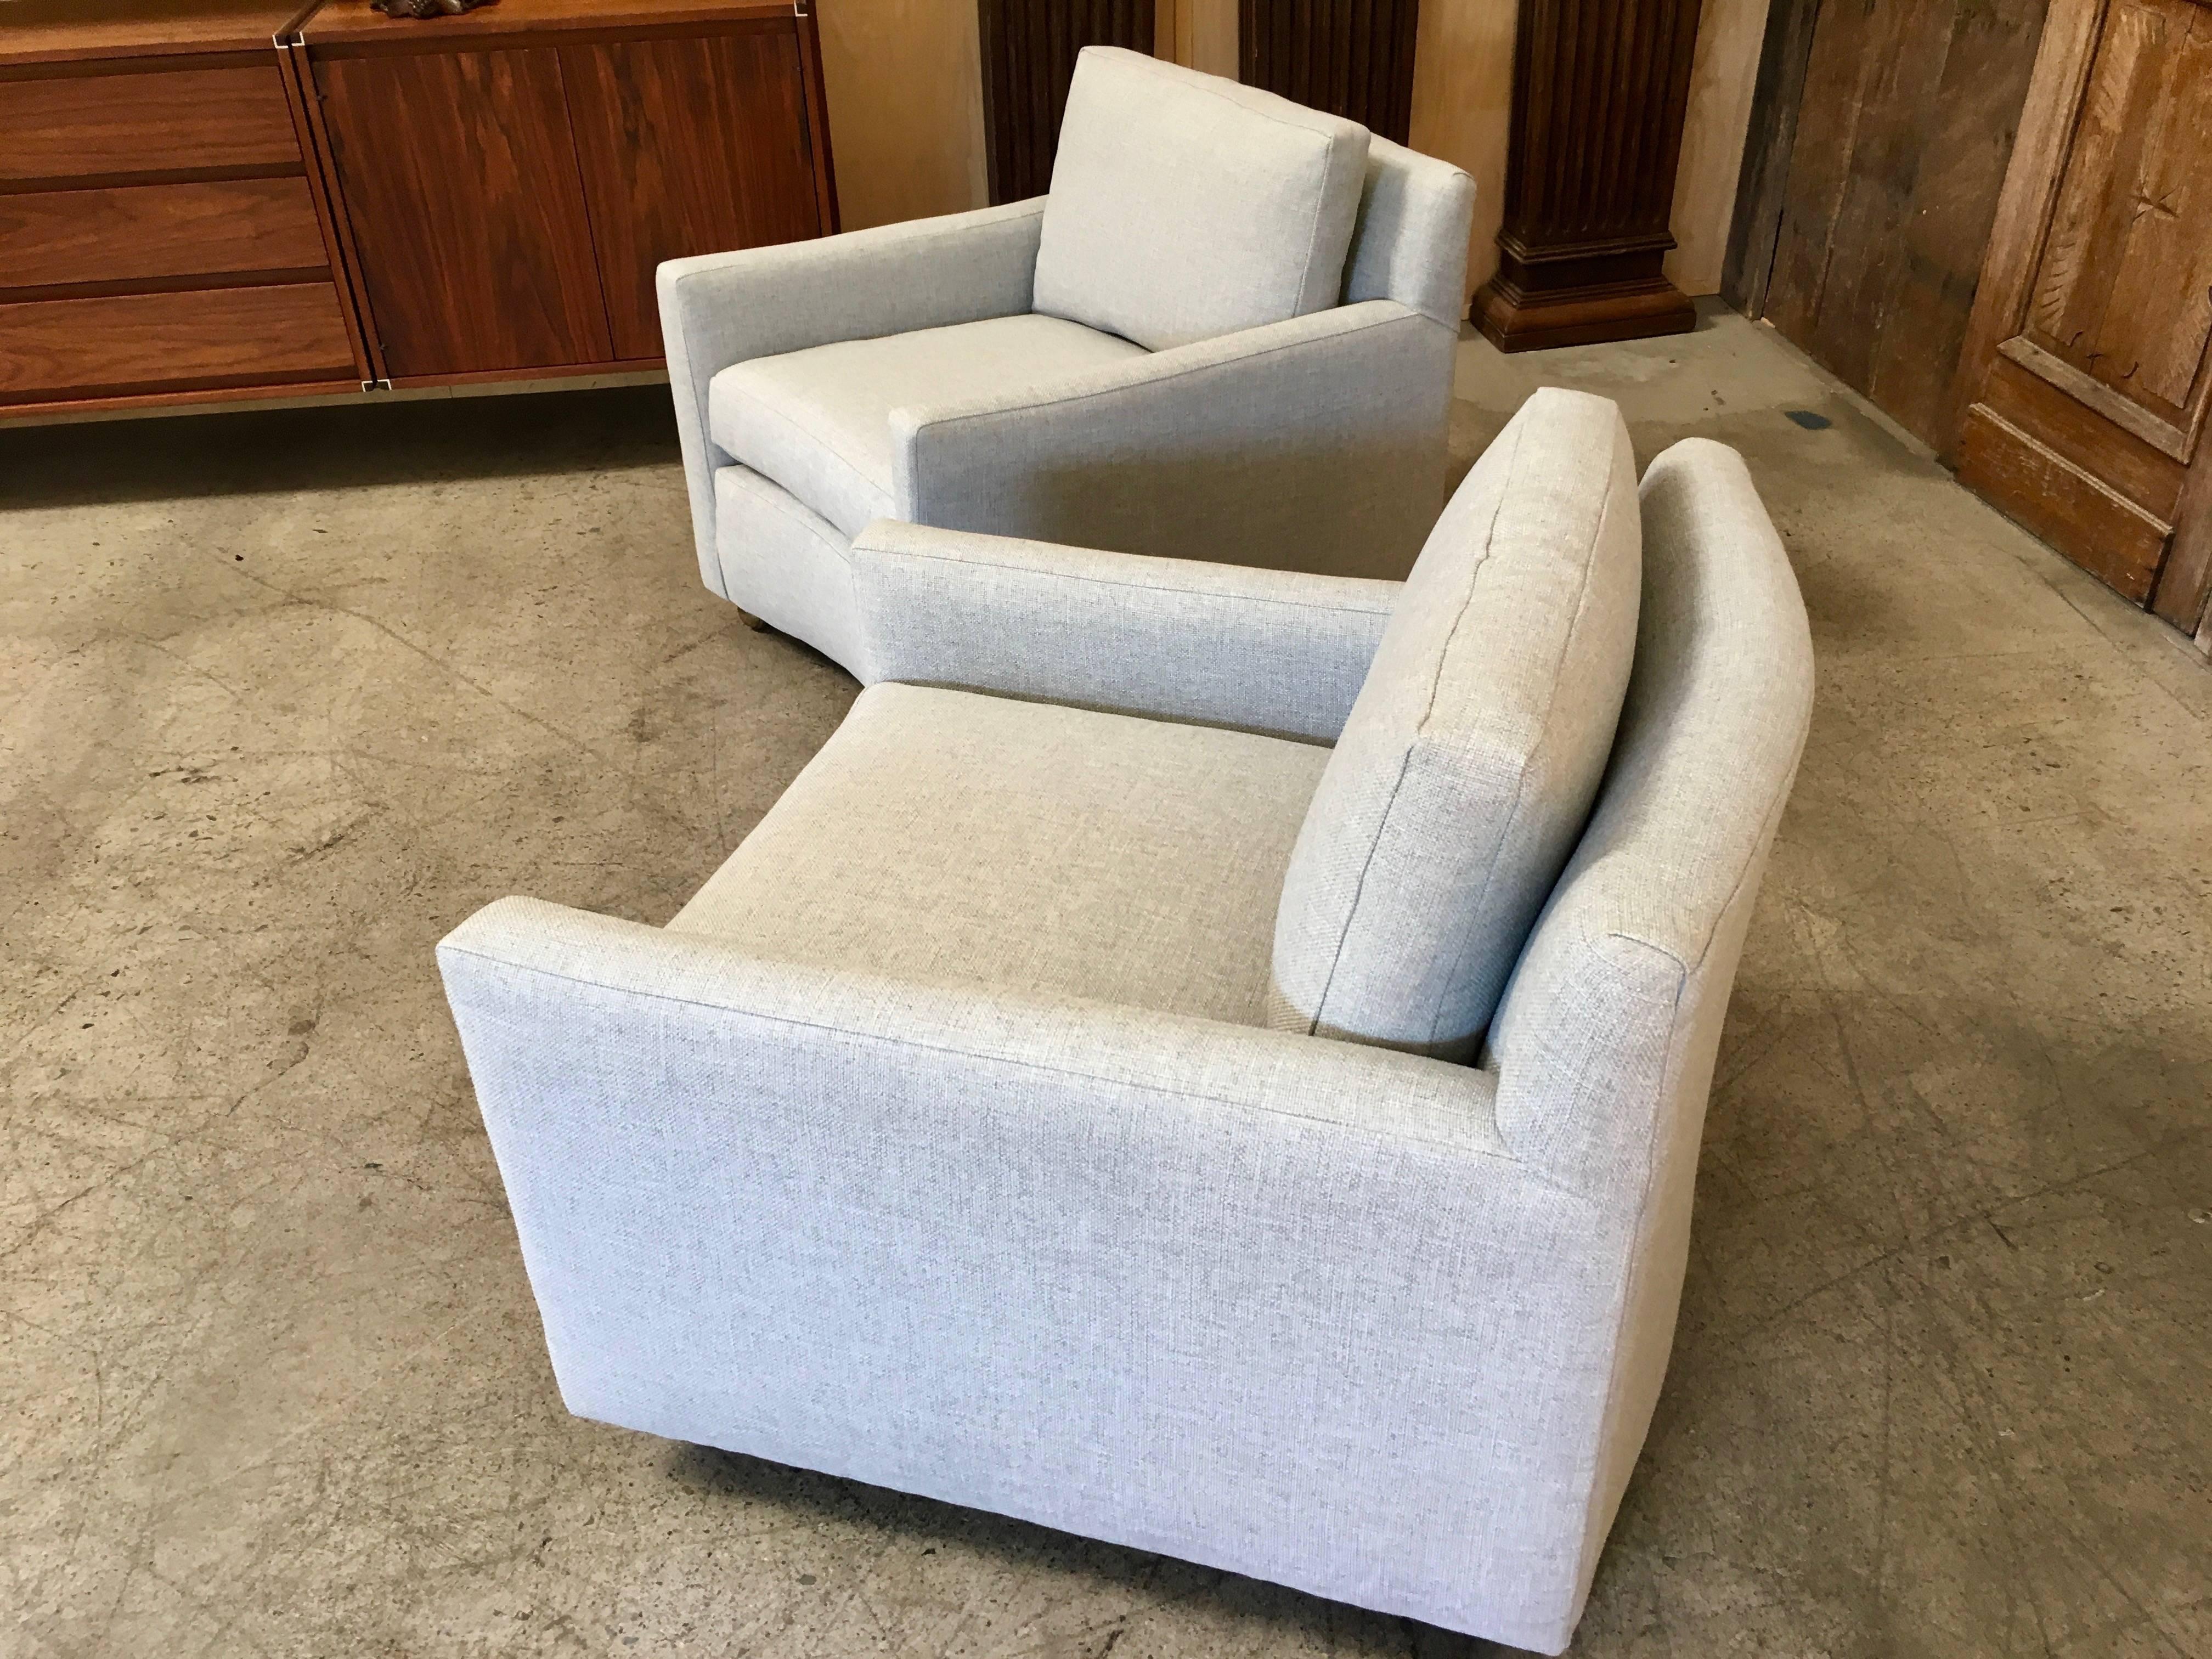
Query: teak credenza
column 224, row 199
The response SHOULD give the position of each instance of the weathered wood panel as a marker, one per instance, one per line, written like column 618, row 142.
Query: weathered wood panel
column 1864, row 244
column 1775, row 103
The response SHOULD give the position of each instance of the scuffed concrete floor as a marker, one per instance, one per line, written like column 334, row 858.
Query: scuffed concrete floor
column 283, row 696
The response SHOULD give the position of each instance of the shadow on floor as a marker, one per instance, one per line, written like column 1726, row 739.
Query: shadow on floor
column 377, row 441
column 1306, row 1622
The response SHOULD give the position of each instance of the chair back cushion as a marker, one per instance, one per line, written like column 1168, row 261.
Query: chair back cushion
column 1474, row 749
column 1184, row 206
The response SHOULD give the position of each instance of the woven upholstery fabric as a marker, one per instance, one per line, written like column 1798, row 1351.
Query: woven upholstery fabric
column 1605, row 1040
column 1275, row 651
column 1185, row 206
column 818, row 422
column 1315, row 444
column 1410, row 242
column 949, row 837
column 792, row 567
column 1372, row 1324
column 1471, row 757
column 717, row 309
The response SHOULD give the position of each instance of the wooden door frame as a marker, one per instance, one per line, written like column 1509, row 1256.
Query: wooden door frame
column 2072, row 31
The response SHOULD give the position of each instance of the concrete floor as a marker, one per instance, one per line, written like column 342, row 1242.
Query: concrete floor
column 282, row 697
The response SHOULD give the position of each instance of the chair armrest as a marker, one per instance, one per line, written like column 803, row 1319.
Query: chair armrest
column 718, row 309
column 1317, row 444
column 1275, row 651
column 1144, row 1278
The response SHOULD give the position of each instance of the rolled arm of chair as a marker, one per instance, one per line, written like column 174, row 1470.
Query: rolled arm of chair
column 718, row 309
column 1317, row 444
column 1274, row 651
column 1238, row 1295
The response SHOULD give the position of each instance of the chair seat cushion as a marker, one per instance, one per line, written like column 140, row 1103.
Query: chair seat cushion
column 818, row 422
column 951, row 838
column 1184, row 206
column 1474, row 749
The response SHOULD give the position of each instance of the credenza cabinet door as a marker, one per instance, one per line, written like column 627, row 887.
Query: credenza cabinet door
column 688, row 145
column 459, row 176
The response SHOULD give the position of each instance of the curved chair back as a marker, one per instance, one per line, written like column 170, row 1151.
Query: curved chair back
column 1604, row 1044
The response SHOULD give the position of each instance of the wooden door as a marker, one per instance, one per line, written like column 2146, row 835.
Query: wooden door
column 1029, row 49
column 2094, row 332
column 460, row 182
column 1879, row 136
column 1350, row 58
column 693, row 145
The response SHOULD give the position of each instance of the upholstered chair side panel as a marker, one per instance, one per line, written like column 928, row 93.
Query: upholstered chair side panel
column 717, row 309
column 1411, row 242
column 791, row 567
column 1605, row 1042
column 1313, row 445
column 1274, row 651
column 1255, row 1301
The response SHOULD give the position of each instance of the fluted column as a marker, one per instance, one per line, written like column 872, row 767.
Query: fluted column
column 1029, row 49
column 1600, row 87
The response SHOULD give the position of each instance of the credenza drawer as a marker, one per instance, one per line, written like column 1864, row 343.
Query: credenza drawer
column 150, row 232
column 88, row 126
column 203, row 337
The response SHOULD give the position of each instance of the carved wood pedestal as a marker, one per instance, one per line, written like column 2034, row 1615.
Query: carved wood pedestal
column 1599, row 91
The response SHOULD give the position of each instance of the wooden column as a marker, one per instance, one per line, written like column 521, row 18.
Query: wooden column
column 1350, row 58
column 1029, row 49
column 1599, row 91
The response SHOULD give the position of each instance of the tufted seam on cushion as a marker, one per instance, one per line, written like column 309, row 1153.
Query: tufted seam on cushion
column 1405, row 760
column 1521, row 781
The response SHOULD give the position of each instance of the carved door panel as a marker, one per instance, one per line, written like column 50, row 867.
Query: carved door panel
column 2095, row 321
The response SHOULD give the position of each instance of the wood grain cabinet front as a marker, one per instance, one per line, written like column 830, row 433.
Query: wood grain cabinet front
column 137, row 121
column 206, row 200
column 510, row 178
column 151, row 233
column 193, row 340
column 164, row 236
column 459, row 175
column 688, row 146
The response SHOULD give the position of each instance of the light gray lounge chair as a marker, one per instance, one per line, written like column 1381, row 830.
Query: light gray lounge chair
column 1227, row 333
column 1063, row 1108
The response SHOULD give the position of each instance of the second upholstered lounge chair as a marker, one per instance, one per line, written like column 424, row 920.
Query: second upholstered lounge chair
column 1227, row 333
